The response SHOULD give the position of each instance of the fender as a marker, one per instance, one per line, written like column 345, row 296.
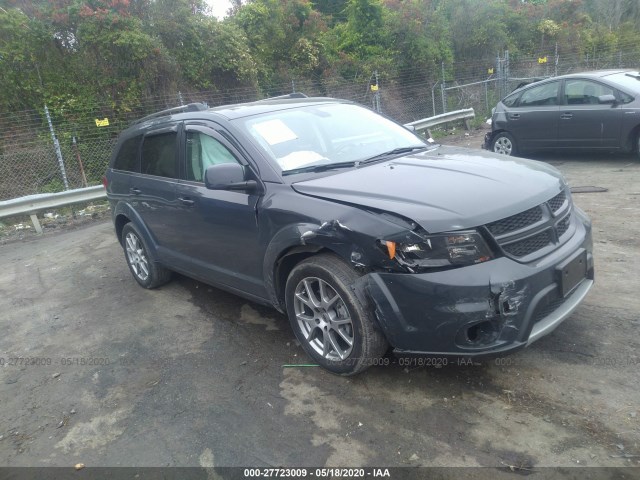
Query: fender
column 287, row 237
column 332, row 235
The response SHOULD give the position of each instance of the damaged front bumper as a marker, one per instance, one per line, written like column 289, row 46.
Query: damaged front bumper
column 488, row 139
column 485, row 309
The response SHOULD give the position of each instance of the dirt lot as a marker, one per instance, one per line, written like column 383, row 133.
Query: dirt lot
column 187, row 375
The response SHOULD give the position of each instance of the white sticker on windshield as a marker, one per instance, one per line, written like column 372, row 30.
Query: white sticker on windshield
column 275, row 132
column 299, row 159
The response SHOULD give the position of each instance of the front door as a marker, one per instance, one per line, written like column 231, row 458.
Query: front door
column 534, row 120
column 218, row 228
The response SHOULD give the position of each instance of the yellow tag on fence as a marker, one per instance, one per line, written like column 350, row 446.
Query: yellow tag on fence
column 102, row 123
column 542, row 60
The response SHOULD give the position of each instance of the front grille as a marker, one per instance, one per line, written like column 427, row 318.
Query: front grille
column 563, row 225
column 529, row 245
column 525, row 233
column 557, row 202
column 516, row 222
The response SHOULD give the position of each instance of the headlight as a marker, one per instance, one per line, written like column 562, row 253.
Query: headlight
column 441, row 250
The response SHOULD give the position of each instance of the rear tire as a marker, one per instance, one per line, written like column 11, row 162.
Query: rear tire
column 504, row 144
column 145, row 271
column 334, row 327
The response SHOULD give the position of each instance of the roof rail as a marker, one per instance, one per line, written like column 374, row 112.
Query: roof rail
column 288, row 95
column 191, row 107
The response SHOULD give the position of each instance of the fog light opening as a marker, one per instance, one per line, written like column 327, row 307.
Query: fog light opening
column 483, row 333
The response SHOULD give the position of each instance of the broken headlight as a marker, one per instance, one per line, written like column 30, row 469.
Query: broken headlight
column 441, row 250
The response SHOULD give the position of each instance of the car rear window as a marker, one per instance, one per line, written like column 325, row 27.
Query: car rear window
column 127, row 158
column 159, row 155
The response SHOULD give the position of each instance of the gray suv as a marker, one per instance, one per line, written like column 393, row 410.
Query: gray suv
column 367, row 236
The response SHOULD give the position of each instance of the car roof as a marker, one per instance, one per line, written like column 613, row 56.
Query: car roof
column 596, row 73
column 230, row 112
column 269, row 105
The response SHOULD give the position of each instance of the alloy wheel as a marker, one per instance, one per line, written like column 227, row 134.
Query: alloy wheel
column 324, row 319
column 137, row 256
column 503, row 146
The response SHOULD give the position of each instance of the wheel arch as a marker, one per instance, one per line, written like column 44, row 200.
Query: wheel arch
column 293, row 244
column 125, row 213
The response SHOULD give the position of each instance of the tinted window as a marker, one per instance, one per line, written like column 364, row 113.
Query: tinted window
column 546, row 94
column 159, row 155
column 127, row 158
column 584, row 92
column 202, row 152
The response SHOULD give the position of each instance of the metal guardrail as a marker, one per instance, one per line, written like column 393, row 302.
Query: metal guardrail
column 32, row 204
column 426, row 123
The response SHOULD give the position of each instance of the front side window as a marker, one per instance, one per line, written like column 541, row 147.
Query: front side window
column 159, row 155
column 541, row 95
column 326, row 134
column 511, row 100
column 204, row 151
column 584, row 92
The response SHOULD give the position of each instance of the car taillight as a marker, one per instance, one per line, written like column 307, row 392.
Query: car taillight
column 105, row 182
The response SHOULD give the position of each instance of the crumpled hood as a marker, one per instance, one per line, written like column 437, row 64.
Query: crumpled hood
column 448, row 188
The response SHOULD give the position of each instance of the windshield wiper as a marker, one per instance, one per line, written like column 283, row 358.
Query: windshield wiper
column 323, row 167
column 395, row 151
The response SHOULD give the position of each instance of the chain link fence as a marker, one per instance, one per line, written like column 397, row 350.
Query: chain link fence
column 30, row 163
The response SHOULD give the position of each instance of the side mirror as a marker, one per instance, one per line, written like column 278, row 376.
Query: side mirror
column 228, row 176
column 607, row 99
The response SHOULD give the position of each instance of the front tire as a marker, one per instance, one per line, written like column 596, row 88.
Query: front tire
column 146, row 272
column 504, row 144
column 333, row 326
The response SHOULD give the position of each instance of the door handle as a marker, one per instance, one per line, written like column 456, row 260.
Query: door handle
column 566, row 116
column 514, row 116
column 135, row 191
column 186, row 201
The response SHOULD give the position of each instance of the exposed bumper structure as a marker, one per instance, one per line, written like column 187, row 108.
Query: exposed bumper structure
column 485, row 309
column 488, row 137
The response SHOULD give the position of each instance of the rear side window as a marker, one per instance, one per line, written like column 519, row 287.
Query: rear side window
column 159, row 155
column 127, row 158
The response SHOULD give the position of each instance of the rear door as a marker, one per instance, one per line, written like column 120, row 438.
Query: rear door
column 584, row 122
column 533, row 121
column 153, row 190
column 218, row 229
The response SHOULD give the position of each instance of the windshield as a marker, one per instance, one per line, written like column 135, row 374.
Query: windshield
column 326, row 135
column 629, row 80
